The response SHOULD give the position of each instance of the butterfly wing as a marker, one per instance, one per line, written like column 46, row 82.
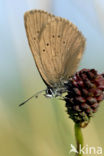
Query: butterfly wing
column 34, row 21
column 61, row 48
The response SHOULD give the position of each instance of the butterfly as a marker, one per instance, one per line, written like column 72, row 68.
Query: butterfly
column 57, row 47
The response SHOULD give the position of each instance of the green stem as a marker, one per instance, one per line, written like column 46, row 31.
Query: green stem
column 79, row 138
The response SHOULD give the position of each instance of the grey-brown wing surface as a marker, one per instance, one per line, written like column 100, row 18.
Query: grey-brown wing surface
column 34, row 21
column 61, row 48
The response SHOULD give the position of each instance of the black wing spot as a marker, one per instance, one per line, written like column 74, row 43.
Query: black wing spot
column 47, row 44
column 43, row 50
column 34, row 38
column 53, row 36
column 58, row 36
column 63, row 42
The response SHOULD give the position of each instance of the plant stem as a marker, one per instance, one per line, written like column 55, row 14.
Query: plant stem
column 79, row 138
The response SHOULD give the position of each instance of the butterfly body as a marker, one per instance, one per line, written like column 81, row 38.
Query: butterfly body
column 57, row 89
column 57, row 47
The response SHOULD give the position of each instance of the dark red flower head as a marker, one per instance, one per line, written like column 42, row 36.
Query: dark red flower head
column 86, row 91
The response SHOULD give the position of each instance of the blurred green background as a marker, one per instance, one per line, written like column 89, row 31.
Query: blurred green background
column 42, row 126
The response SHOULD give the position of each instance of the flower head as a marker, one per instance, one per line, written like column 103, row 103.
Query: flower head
column 85, row 92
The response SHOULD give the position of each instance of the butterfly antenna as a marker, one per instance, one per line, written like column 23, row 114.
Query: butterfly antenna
column 35, row 95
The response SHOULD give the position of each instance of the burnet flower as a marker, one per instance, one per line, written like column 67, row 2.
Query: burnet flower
column 86, row 91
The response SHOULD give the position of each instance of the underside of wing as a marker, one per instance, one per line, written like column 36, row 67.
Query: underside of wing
column 34, row 21
column 61, row 48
